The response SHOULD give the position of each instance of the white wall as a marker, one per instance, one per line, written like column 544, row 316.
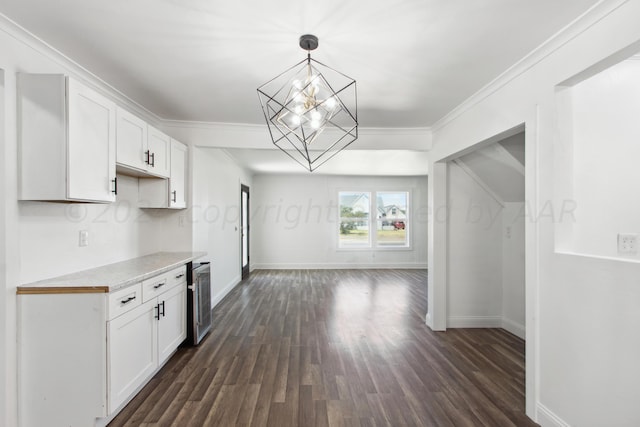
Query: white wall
column 513, row 268
column 486, row 258
column 605, row 110
column 582, row 311
column 295, row 222
column 3, row 258
column 215, row 216
column 49, row 233
column 475, row 254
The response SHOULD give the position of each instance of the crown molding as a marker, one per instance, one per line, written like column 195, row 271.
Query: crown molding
column 252, row 127
column 74, row 69
column 592, row 16
column 250, row 135
column 216, row 126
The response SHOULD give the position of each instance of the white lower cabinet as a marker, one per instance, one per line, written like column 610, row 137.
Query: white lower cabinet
column 133, row 355
column 143, row 338
column 83, row 354
column 172, row 325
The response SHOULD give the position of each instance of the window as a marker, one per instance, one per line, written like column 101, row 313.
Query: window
column 373, row 219
column 354, row 219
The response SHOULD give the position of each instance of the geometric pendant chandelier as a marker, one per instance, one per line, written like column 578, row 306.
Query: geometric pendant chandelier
column 310, row 109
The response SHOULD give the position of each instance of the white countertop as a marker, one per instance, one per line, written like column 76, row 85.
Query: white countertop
column 111, row 277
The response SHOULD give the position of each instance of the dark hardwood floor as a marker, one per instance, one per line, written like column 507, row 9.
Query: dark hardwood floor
column 335, row 348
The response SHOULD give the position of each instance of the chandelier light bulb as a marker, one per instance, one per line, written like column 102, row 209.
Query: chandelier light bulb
column 330, row 103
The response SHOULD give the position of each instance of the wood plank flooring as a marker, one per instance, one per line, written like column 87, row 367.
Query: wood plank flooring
column 335, row 348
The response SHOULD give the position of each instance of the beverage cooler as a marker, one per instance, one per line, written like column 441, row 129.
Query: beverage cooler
column 198, row 302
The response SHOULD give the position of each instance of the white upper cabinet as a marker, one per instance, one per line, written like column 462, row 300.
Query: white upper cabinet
column 171, row 193
column 142, row 149
column 67, row 135
column 159, row 146
column 131, row 140
column 178, row 180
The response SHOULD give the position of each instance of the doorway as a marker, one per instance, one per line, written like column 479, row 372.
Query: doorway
column 244, row 230
column 486, row 237
column 449, row 305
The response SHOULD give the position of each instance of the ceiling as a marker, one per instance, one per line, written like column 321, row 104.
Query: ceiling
column 202, row 60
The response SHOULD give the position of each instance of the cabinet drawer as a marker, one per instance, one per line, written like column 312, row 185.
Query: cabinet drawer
column 161, row 283
column 177, row 275
column 124, row 300
column 154, row 286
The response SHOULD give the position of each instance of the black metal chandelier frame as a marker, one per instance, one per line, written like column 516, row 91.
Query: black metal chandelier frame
column 303, row 139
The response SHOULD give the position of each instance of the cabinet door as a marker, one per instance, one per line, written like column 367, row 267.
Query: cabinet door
column 178, row 185
column 159, row 145
column 172, row 326
column 132, row 351
column 131, row 141
column 91, row 167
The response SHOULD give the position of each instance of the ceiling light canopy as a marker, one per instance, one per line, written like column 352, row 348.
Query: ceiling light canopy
column 310, row 109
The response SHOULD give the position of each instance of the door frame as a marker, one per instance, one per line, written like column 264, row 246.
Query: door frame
column 436, row 317
column 245, row 269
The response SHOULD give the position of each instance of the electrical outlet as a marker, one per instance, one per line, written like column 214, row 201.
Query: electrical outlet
column 84, row 238
column 627, row 243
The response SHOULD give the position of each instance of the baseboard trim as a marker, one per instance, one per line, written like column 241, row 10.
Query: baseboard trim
column 546, row 417
column 225, row 291
column 513, row 327
column 474, row 322
column 337, row 266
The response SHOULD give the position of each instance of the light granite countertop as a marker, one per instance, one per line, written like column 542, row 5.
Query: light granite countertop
column 111, row 277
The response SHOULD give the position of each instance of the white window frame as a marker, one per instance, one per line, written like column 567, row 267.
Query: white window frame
column 372, row 244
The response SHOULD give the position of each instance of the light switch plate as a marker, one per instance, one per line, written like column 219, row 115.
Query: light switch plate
column 84, row 238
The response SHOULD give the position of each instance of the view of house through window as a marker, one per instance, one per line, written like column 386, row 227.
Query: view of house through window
column 373, row 219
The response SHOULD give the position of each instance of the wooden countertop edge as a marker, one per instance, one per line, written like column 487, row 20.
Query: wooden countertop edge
column 63, row 290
